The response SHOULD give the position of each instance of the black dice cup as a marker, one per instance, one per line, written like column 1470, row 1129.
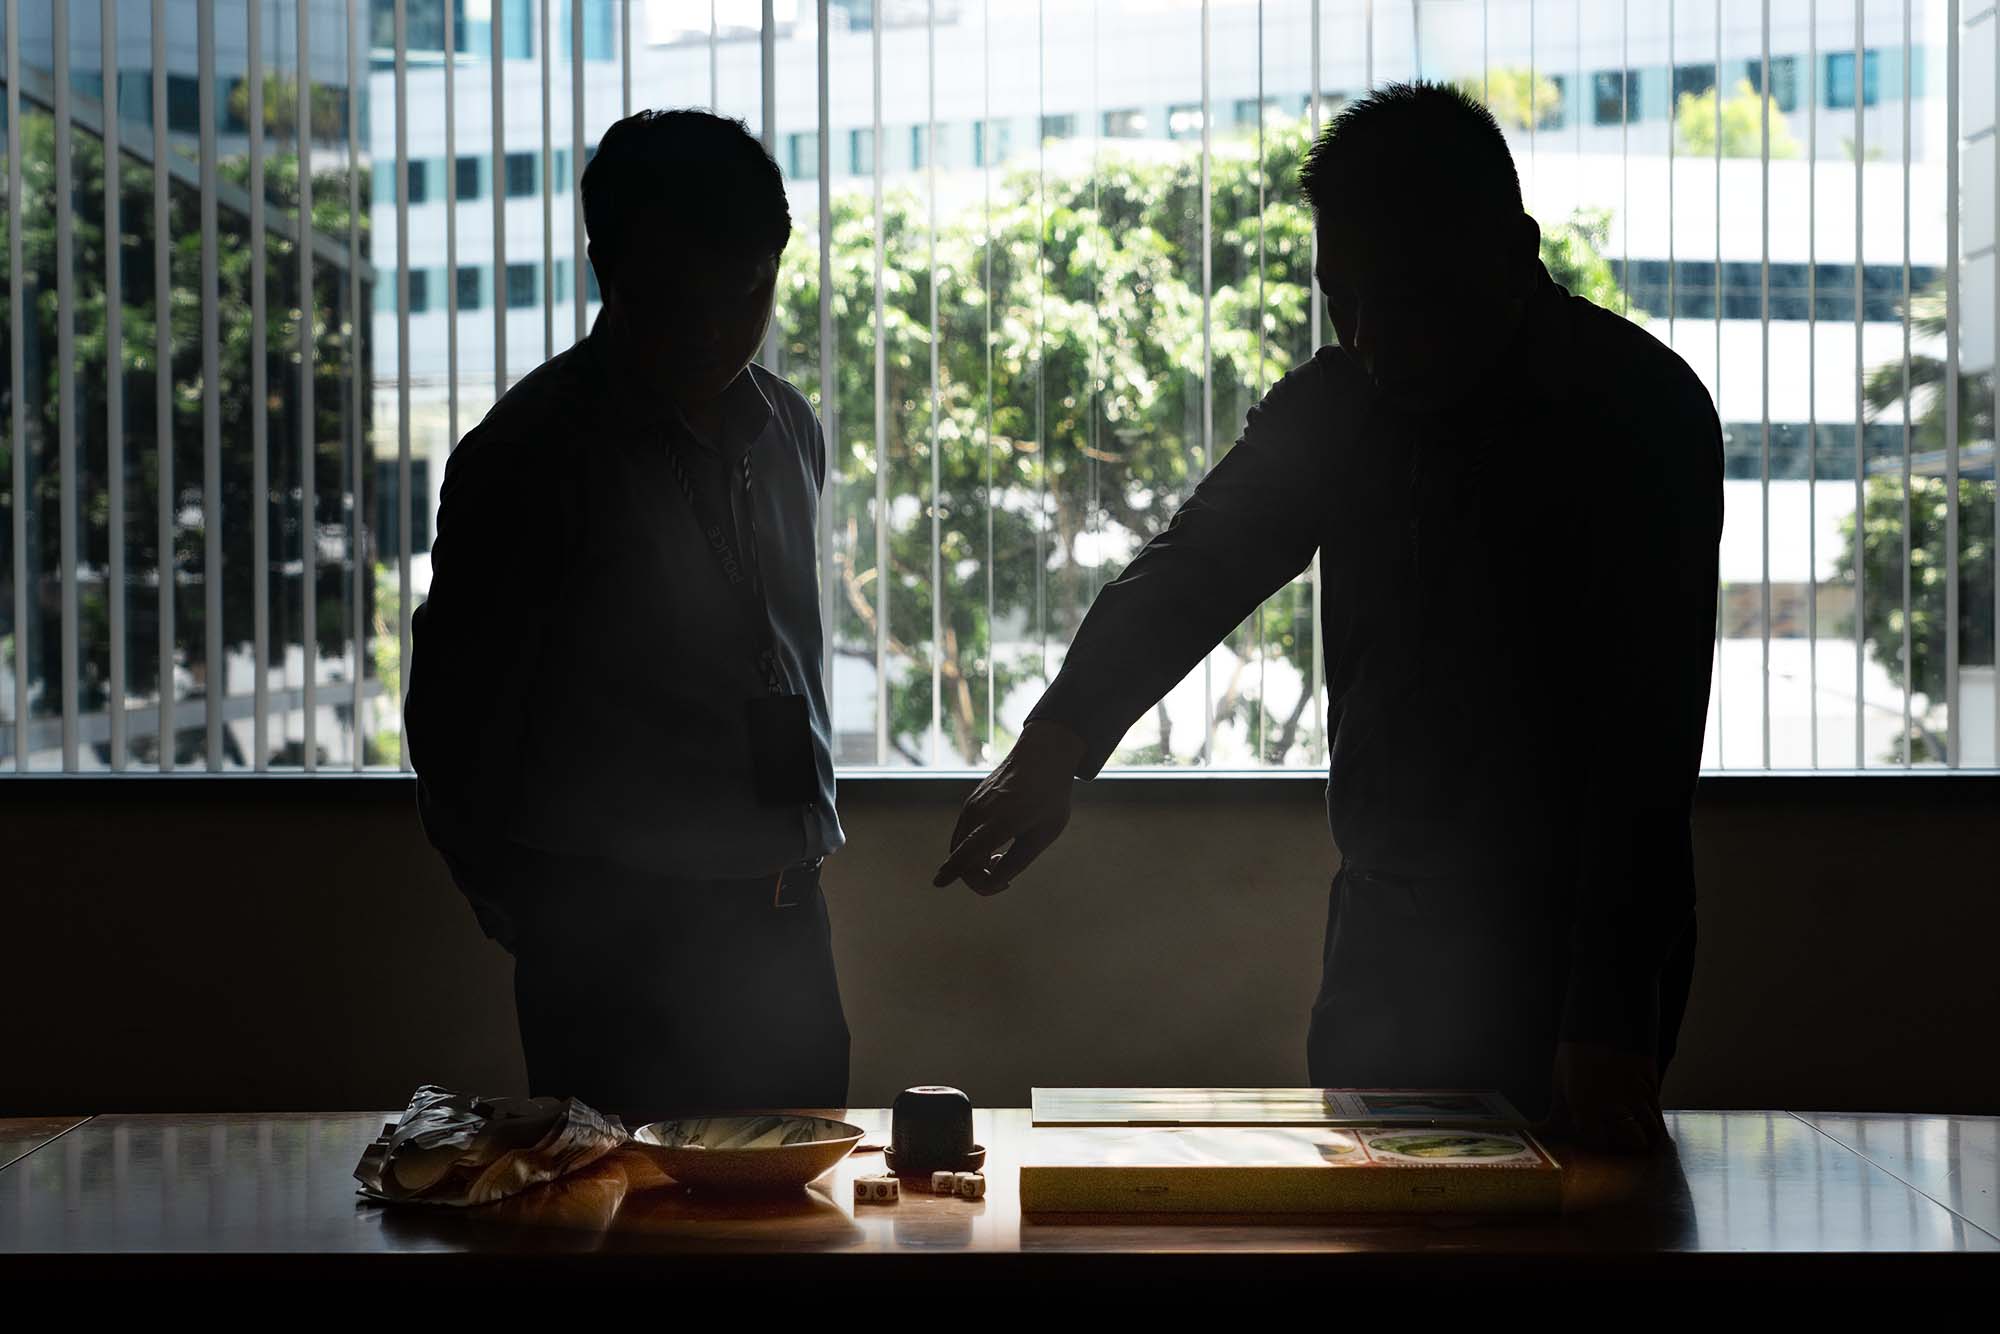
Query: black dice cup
column 931, row 1131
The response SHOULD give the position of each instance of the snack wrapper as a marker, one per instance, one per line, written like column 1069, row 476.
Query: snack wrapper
column 457, row 1149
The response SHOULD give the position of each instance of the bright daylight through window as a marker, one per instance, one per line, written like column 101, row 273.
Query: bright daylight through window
column 1046, row 256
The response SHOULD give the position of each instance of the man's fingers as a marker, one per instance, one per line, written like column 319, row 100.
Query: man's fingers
column 968, row 854
column 1001, row 871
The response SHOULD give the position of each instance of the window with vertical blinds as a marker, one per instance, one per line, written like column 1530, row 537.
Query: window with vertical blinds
column 267, row 260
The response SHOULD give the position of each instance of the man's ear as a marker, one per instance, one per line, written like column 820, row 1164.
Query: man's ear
column 603, row 278
column 1527, row 242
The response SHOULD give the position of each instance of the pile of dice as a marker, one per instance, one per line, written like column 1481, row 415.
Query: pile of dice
column 888, row 1189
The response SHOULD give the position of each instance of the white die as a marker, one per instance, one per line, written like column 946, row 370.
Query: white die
column 876, row 1190
column 971, row 1185
column 944, row 1183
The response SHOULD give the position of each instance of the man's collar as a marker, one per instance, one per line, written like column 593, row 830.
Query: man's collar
column 746, row 408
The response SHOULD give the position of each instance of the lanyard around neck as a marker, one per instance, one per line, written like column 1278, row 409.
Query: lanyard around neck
column 739, row 566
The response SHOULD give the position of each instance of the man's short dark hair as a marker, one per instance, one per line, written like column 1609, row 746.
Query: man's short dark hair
column 710, row 175
column 1413, row 155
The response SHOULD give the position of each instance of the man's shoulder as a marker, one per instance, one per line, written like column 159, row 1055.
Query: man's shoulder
column 1323, row 391
column 538, row 416
column 790, row 406
column 1636, row 372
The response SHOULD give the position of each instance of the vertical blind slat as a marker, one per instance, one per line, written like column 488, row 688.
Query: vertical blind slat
column 1207, row 350
column 937, row 535
column 17, row 373
column 547, row 172
column 1764, row 348
column 450, row 230
column 216, row 685
column 1812, row 382
column 1263, row 674
column 66, row 380
column 881, row 403
column 1951, row 420
column 1721, row 752
column 498, row 86
column 1909, row 657
column 829, row 378
column 163, row 381
column 308, row 425
column 1318, row 316
column 114, row 377
column 358, row 374
column 767, row 51
column 260, row 462
column 1860, row 402
column 406, row 512
column 579, row 261
column 986, row 259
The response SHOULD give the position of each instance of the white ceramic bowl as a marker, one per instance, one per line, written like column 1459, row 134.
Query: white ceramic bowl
column 759, row 1152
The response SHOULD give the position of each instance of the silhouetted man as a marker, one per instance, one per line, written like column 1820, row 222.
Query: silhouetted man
column 1516, row 501
column 616, row 710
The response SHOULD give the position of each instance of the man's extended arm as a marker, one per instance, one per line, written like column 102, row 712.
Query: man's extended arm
column 1251, row 526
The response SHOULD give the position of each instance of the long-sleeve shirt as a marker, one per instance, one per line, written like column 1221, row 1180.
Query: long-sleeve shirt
column 1518, row 619
column 580, row 671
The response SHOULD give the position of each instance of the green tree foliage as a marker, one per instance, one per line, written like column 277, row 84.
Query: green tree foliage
column 1882, row 526
column 340, row 348
column 1518, row 98
column 1742, row 125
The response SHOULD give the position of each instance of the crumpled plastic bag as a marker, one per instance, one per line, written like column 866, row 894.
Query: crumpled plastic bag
column 456, row 1149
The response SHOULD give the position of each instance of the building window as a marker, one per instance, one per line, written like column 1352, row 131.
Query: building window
column 420, row 291
column 922, row 137
column 1059, row 127
column 992, row 141
column 1614, row 96
column 419, row 174
column 1840, row 79
column 1784, row 89
column 598, row 21
column 1184, row 122
column 523, row 179
column 1693, row 79
column 523, row 286
column 183, row 103
column 1247, row 109
column 471, row 287
column 802, row 150
column 471, row 178
column 861, row 152
column 1124, row 125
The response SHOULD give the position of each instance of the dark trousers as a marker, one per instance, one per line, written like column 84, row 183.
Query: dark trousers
column 1454, row 984
column 648, row 997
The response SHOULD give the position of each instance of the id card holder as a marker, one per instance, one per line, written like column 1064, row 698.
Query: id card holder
column 781, row 751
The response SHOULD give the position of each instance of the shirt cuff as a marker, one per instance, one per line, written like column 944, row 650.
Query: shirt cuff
column 1071, row 706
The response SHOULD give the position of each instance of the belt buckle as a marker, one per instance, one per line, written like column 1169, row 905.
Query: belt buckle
column 778, row 888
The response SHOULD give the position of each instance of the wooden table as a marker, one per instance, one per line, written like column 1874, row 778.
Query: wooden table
column 1750, row 1193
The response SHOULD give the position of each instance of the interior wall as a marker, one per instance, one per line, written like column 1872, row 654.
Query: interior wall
column 244, row 944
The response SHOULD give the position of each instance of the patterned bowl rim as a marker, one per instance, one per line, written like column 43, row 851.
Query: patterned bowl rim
column 648, row 1135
